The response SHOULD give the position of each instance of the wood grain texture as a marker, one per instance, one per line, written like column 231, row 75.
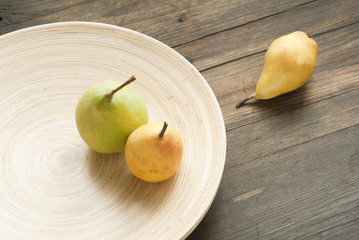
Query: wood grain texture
column 172, row 22
column 256, row 36
column 336, row 73
column 339, row 52
column 309, row 190
column 292, row 162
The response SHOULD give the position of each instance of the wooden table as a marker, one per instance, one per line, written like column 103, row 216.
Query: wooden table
column 292, row 165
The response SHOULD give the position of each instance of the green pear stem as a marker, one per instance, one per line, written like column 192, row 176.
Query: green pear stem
column 163, row 130
column 240, row 104
column 109, row 96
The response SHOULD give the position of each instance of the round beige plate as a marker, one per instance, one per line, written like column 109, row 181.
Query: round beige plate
column 52, row 186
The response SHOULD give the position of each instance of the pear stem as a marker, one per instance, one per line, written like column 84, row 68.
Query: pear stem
column 163, row 130
column 240, row 104
column 109, row 96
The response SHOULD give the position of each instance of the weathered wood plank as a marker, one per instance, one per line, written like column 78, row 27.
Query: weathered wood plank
column 292, row 128
column 336, row 72
column 303, row 192
column 15, row 12
column 315, row 18
column 173, row 22
column 345, row 231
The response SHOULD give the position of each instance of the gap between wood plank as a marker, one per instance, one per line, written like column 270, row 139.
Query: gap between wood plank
column 262, row 51
column 314, row 216
column 274, row 14
column 332, row 227
column 292, row 146
column 39, row 16
column 300, row 106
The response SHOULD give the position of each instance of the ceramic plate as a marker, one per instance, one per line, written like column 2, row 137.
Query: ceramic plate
column 52, row 186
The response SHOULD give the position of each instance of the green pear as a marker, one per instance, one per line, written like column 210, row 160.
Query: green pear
column 288, row 64
column 107, row 113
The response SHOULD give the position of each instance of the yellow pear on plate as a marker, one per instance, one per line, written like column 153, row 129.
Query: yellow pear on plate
column 288, row 64
column 153, row 152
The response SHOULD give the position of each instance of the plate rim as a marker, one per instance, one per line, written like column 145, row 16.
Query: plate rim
column 178, row 55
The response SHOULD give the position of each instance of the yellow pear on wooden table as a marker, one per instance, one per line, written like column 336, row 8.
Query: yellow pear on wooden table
column 288, row 64
column 153, row 152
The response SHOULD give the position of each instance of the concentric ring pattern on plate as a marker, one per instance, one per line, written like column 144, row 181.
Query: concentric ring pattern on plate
column 52, row 186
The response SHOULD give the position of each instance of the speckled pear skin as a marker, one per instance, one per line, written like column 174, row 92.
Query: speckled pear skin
column 289, row 63
column 106, row 125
